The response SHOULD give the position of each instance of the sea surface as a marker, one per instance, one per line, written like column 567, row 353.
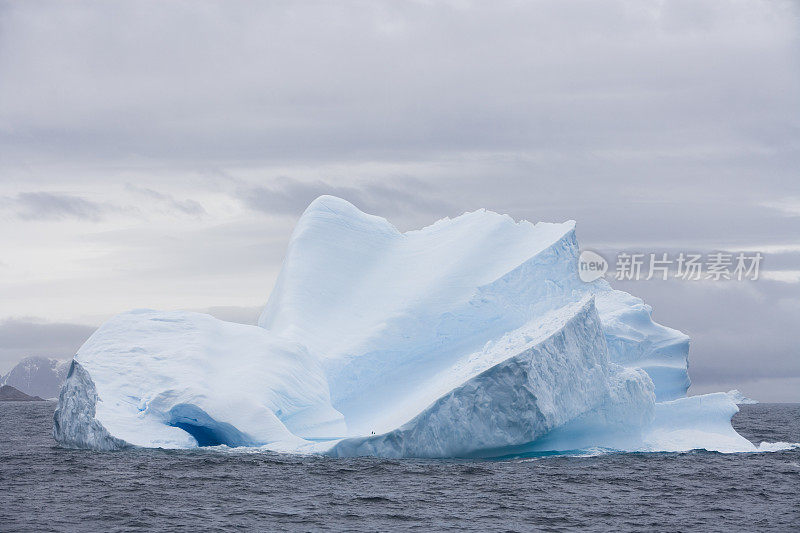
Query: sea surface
column 47, row 488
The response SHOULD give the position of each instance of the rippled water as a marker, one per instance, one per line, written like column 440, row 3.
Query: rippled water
column 45, row 488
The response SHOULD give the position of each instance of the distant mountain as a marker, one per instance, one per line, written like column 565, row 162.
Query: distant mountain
column 10, row 394
column 37, row 376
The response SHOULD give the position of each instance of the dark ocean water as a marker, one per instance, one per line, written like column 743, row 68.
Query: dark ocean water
column 46, row 488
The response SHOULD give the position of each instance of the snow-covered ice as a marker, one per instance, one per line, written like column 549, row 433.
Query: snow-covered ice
column 472, row 337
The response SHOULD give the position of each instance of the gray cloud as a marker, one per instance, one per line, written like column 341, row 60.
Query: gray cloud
column 23, row 337
column 47, row 205
column 186, row 207
column 236, row 82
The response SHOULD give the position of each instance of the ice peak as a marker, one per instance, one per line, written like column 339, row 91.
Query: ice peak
column 327, row 210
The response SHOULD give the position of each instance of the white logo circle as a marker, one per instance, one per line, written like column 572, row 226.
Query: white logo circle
column 591, row 266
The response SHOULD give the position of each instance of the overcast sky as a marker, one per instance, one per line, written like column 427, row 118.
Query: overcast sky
column 158, row 154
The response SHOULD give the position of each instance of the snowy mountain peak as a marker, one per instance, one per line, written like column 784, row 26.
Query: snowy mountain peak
column 37, row 376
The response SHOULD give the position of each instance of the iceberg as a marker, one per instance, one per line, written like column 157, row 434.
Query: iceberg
column 471, row 337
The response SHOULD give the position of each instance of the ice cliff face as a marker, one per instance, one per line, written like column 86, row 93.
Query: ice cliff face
column 471, row 337
column 517, row 390
column 37, row 376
